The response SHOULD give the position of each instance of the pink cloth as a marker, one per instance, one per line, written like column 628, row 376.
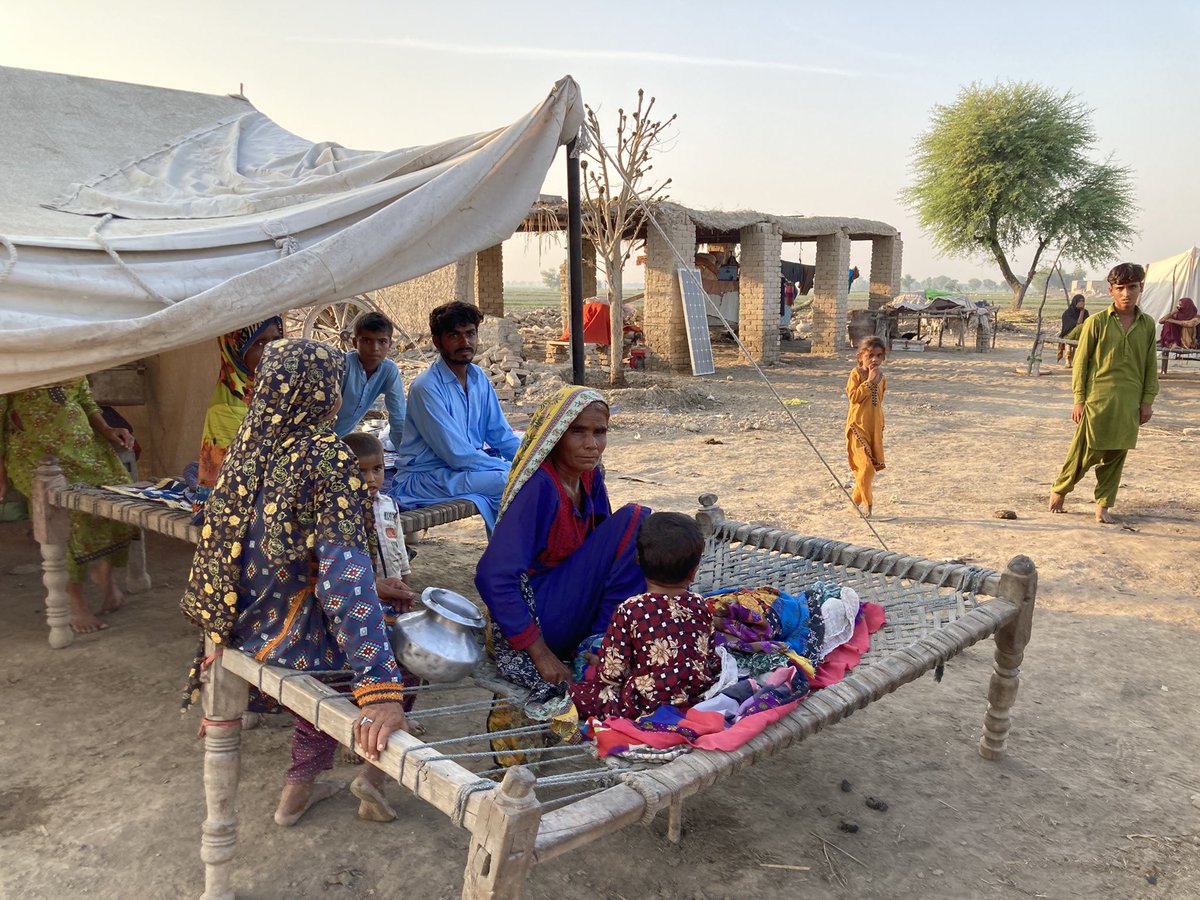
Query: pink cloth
column 712, row 733
column 844, row 658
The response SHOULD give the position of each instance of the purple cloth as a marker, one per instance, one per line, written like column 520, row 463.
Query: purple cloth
column 577, row 597
column 312, row 753
column 1172, row 334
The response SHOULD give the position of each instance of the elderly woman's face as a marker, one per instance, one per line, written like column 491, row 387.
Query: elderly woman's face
column 580, row 449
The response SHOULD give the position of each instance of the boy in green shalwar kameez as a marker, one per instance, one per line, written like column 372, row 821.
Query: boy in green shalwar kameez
column 1115, row 380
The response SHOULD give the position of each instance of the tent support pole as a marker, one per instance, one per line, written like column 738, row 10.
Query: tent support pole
column 575, row 262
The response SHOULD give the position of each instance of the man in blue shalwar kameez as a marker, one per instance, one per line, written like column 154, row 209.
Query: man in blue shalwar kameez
column 457, row 443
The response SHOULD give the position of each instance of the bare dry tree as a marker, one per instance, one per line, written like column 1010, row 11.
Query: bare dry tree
column 612, row 214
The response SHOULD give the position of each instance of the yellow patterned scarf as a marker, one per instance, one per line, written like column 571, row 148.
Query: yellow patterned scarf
column 549, row 423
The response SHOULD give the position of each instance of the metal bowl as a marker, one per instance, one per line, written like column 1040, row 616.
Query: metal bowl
column 440, row 642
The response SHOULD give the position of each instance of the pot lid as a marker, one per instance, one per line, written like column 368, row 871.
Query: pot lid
column 454, row 607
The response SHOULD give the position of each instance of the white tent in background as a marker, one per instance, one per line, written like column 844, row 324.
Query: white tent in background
column 1169, row 279
column 135, row 220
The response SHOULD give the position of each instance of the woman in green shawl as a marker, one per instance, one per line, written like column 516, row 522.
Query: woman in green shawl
column 63, row 421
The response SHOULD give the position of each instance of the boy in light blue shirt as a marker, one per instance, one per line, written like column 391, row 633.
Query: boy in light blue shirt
column 370, row 373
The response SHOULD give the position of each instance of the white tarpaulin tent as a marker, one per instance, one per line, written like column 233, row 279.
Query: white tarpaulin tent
column 135, row 220
column 1169, row 279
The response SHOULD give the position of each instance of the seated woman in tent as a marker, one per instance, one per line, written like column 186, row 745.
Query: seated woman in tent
column 560, row 560
column 1179, row 325
column 240, row 352
column 63, row 421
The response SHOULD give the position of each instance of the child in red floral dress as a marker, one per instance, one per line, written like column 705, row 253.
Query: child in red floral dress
column 659, row 649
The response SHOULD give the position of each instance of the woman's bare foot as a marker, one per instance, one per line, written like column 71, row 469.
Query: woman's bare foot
column 1056, row 502
column 83, row 620
column 1104, row 517
column 106, row 579
column 297, row 799
column 368, row 788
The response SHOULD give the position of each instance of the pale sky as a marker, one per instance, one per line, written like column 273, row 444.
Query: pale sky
column 790, row 108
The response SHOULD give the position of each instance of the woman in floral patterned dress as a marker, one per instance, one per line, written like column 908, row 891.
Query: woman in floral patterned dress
column 64, row 421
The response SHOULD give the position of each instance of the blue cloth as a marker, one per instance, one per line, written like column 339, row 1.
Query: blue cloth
column 793, row 620
column 336, row 623
column 575, row 597
column 359, row 392
column 442, row 455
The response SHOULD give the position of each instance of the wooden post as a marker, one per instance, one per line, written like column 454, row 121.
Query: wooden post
column 52, row 530
column 675, row 820
column 709, row 515
column 502, row 841
column 137, row 579
column 223, row 697
column 1018, row 584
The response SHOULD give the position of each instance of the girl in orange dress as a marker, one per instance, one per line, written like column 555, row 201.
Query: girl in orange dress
column 864, row 420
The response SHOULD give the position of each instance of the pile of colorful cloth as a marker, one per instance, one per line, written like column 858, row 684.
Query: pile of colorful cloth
column 169, row 492
column 775, row 648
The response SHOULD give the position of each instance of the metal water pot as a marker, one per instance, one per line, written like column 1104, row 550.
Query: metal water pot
column 439, row 643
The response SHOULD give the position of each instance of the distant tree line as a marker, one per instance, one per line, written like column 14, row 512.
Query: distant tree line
column 1058, row 283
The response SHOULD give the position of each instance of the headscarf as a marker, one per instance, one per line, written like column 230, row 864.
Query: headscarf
column 230, row 398
column 1171, row 333
column 1071, row 319
column 287, row 452
column 549, row 423
column 235, row 376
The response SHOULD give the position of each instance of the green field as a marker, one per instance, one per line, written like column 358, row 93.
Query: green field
column 532, row 297
column 529, row 296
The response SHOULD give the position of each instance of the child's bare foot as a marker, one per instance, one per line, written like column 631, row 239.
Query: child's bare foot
column 1056, row 502
column 104, row 578
column 113, row 599
column 86, row 623
column 297, row 799
column 83, row 620
column 373, row 805
column 1104, row 517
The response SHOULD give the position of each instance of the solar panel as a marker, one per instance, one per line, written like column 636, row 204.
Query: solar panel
column 695, row 315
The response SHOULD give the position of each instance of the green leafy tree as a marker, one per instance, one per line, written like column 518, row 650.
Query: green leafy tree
column 975, row 284
column 908, row 283
column 1006, row 168
column 551, row 278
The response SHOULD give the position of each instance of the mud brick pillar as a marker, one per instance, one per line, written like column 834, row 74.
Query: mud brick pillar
column 589, row 281
column 758, row 290
column 830, row 293
column 666, row 332
column 489, row 280
column 885, row 270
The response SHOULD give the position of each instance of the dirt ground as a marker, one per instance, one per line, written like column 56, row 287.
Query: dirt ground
column 101, row 793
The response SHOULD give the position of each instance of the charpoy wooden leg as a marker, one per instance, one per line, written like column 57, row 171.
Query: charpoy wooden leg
column 52, row 530
column 223, row 696
column 137, row 579
column 675, row 821
column 1019, row 585
column 501, row 851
